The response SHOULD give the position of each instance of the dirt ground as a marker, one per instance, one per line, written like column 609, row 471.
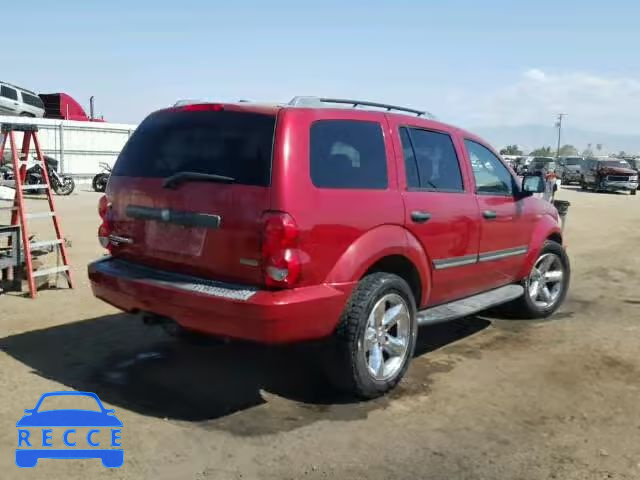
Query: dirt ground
column 483, row 399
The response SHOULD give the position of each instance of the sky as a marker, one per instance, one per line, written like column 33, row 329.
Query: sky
column 471, row 63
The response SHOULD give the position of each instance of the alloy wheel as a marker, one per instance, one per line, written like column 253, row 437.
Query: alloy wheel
column 546, row 281
column 387, row 336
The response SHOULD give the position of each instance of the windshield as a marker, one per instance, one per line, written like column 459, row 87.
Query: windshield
column 572, row 161
column 615, row 164
column 227, row 143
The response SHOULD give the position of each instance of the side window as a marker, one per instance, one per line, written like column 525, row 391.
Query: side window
column 32, row 100
column 8, row 93
column 348, row 154
column 430, row 160
column 492, row 177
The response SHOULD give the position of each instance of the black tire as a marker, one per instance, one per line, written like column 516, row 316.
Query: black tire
column 633, row 192
column 99, row 182
column 524, row 307
column 67, row 187
column 27, row 114
column 344, row 359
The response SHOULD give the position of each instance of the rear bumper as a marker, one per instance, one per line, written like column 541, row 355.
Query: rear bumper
column 221, row 309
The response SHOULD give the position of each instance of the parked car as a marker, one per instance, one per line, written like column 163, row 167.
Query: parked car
column 609, row 175
column 546, row 168
column 635, row 164
column 19, row 101
column 569, row 169
column 542, row 164
column 308, row 221
column 524, row 164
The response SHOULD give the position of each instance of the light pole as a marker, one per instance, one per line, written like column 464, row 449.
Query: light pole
column 559, row 125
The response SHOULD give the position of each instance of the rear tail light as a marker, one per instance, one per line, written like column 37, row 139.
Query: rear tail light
column 104, row 230
column 280, row 256
column 103, row 206
column 202, row 107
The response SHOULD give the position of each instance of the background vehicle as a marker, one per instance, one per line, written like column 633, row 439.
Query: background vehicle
column 523, row 165
column 99, row 182
column 542, row 164
column 546, row 168
column 64, row 107
column 61, row 184
column 277, row 250
column 569, row 169
column 609, row 175
column 19, row 101
column 634, row 163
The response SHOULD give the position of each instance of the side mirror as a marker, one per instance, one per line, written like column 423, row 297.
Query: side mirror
column 533, row 184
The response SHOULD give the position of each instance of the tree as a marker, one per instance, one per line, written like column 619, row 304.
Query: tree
column 542, row 152
column 568, row 151
column 511, row 150
column 587, row 152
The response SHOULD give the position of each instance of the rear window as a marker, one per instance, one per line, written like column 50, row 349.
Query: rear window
column 32, row 100
column 7, row 92
column 348, row 154
column 229, row 143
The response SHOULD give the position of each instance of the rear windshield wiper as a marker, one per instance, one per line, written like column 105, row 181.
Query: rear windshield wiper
column 175, row 180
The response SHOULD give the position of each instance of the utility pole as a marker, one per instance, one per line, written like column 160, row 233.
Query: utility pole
column 559, row 125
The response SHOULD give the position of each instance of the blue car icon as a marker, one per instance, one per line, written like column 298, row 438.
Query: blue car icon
column 68, row 418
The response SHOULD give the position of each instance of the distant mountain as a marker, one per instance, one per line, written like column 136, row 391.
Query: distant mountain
column 529, row 137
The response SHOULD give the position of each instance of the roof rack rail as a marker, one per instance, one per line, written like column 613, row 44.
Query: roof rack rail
column 22, row 89
column 320, row 101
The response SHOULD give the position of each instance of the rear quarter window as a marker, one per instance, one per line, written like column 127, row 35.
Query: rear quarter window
column 348, row 154
column 229, row 143
column 7, row 92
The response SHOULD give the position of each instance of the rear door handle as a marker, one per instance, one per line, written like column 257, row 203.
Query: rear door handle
column 420, row 217
column 489, row 214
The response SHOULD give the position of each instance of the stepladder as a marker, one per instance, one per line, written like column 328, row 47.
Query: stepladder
column 20, row 158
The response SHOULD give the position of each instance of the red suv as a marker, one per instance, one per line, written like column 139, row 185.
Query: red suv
column 285, row 223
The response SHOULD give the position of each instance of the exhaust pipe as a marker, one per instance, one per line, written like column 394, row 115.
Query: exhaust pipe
column 153, row 319
column 169, row 325
column 91, row 109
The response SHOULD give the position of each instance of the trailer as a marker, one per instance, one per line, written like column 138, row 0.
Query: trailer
column 78, row 146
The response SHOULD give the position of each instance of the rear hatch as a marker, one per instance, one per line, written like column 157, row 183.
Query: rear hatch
column 189, row 189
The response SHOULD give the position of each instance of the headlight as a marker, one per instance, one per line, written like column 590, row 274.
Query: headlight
column 634, row 178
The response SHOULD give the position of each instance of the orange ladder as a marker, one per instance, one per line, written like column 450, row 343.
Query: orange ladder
column 19, row 215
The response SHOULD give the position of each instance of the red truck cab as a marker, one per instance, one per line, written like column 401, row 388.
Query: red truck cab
column 307, row 221
column 64, row 107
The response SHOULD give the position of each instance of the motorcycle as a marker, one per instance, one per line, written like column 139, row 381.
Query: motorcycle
column 100, row 180
column 61, row 184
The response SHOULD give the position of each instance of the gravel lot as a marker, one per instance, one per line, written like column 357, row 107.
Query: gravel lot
column 484, row 399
